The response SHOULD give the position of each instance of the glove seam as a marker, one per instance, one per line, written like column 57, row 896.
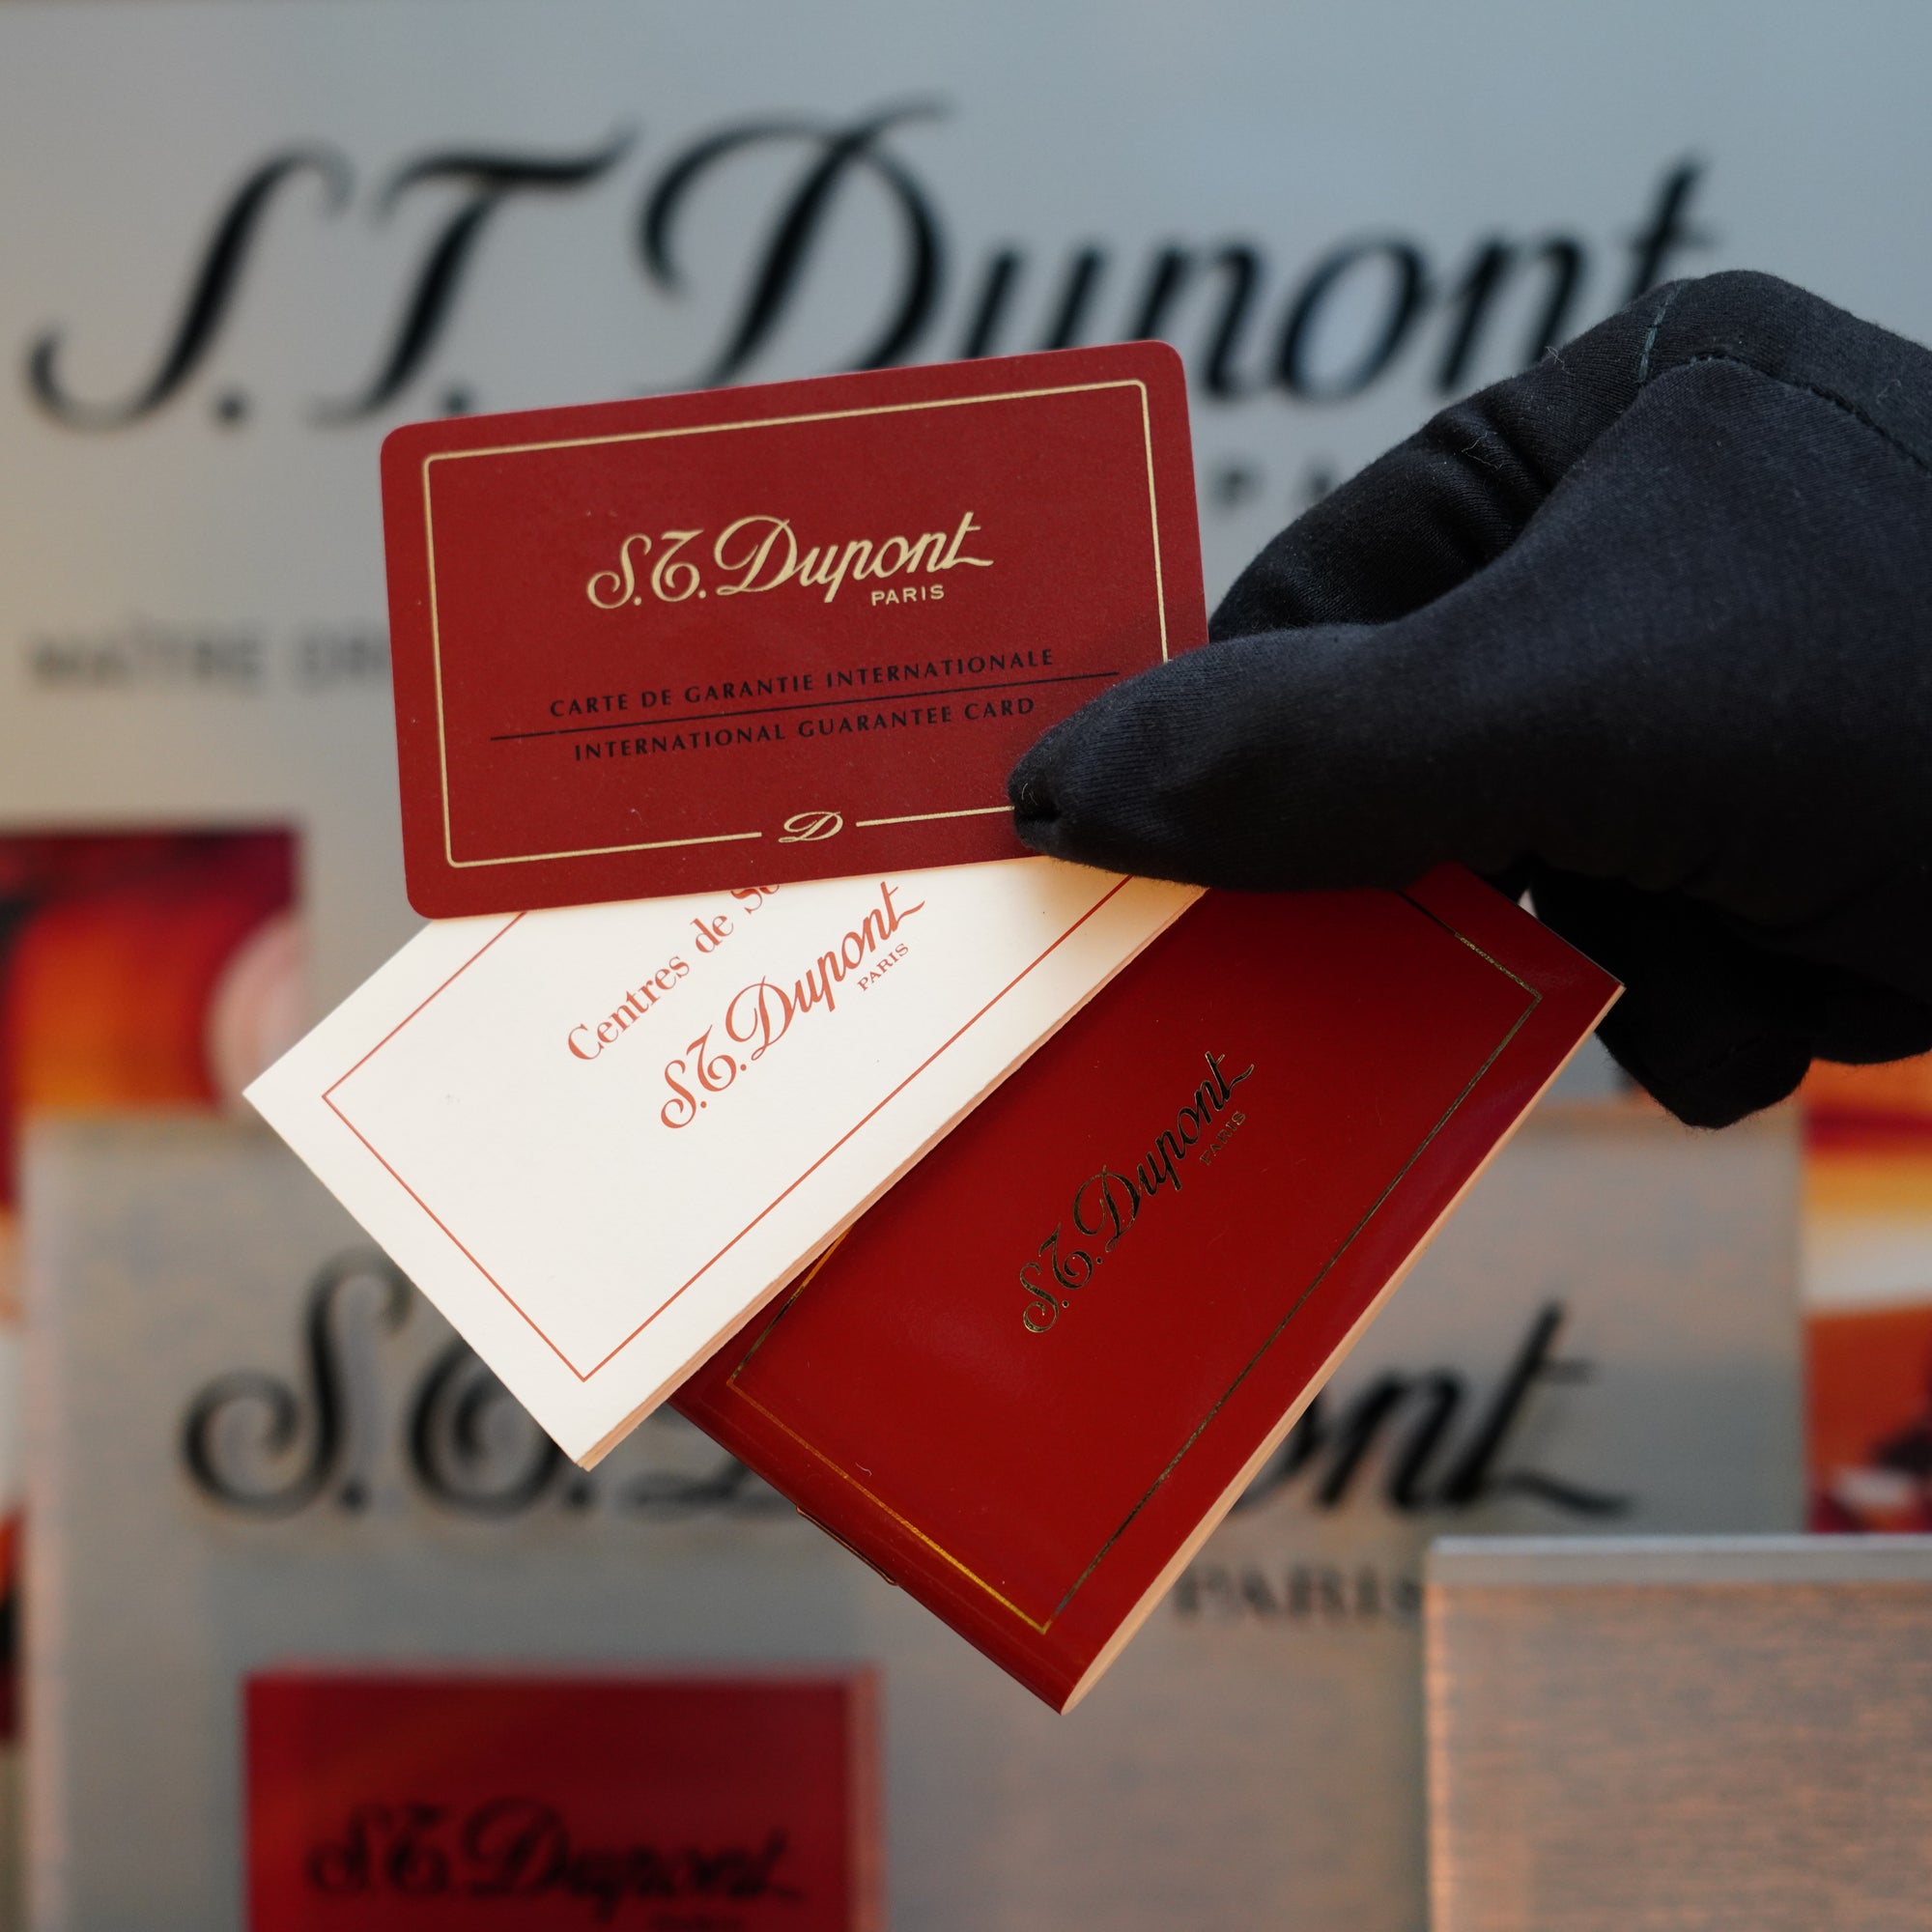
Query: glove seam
column 1836, row 401
column 1655, row 322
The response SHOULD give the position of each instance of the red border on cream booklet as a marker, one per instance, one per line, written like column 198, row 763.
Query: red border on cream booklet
column 584, row 1374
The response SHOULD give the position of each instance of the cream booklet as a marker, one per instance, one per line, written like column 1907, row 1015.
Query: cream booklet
column 599, row 1137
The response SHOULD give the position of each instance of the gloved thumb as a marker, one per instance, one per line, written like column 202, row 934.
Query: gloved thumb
column 1293, row 760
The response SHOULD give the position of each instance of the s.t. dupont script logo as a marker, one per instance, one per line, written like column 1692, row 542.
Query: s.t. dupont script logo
column 755, row 554
column 385, row 1406
column 1108, row 1203
column 1257, row 324
column 759, row 1015
column 265, row 1445
column 522, row 1848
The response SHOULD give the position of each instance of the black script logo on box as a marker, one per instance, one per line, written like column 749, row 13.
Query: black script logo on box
column 1415, row 1417
column 265, row 1445
column 511, row 1848
column 262, row 1444
column 1440, row 1450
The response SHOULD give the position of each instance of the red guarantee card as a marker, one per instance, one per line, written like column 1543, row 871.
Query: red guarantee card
column 380, row 1800
column 751, row 636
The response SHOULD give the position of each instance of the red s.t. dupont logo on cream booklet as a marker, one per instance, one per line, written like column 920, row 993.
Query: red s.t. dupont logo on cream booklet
column 791, row 632
column 600, row 1137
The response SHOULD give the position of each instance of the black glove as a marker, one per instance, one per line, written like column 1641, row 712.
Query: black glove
column 1646, row 629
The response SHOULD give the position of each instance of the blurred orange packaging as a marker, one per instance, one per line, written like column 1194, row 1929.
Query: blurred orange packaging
column 138, row 969
column 1868, row 1280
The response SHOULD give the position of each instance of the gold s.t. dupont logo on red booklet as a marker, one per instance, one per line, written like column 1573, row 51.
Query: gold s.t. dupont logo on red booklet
column 1108, row 1203
column 754, row 554
column 664, row 647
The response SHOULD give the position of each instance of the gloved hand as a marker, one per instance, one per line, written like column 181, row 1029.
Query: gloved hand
column 1647, row 629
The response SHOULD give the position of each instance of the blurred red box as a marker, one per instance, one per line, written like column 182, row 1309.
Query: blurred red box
column 397, row 1800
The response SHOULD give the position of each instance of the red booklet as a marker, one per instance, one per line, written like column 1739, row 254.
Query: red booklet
column 797, row 631
column 1034, row 1376
column 380, row 1800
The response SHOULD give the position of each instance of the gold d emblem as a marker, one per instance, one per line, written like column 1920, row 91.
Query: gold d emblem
column 802, row 826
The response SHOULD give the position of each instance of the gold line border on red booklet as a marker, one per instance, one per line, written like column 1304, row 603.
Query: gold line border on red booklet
column 584, row 1375
column 1254, row 1361
column 714, row 429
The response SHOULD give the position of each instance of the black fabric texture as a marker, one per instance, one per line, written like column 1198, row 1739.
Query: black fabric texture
column 1647, row 628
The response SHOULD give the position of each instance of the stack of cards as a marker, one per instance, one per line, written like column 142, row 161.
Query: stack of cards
column 705, row 710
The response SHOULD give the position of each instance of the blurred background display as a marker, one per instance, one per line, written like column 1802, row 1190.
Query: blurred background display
column 240, row 241
column 253, row 1446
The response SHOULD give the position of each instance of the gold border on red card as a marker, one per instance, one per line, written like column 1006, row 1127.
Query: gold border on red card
column 715, row 429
